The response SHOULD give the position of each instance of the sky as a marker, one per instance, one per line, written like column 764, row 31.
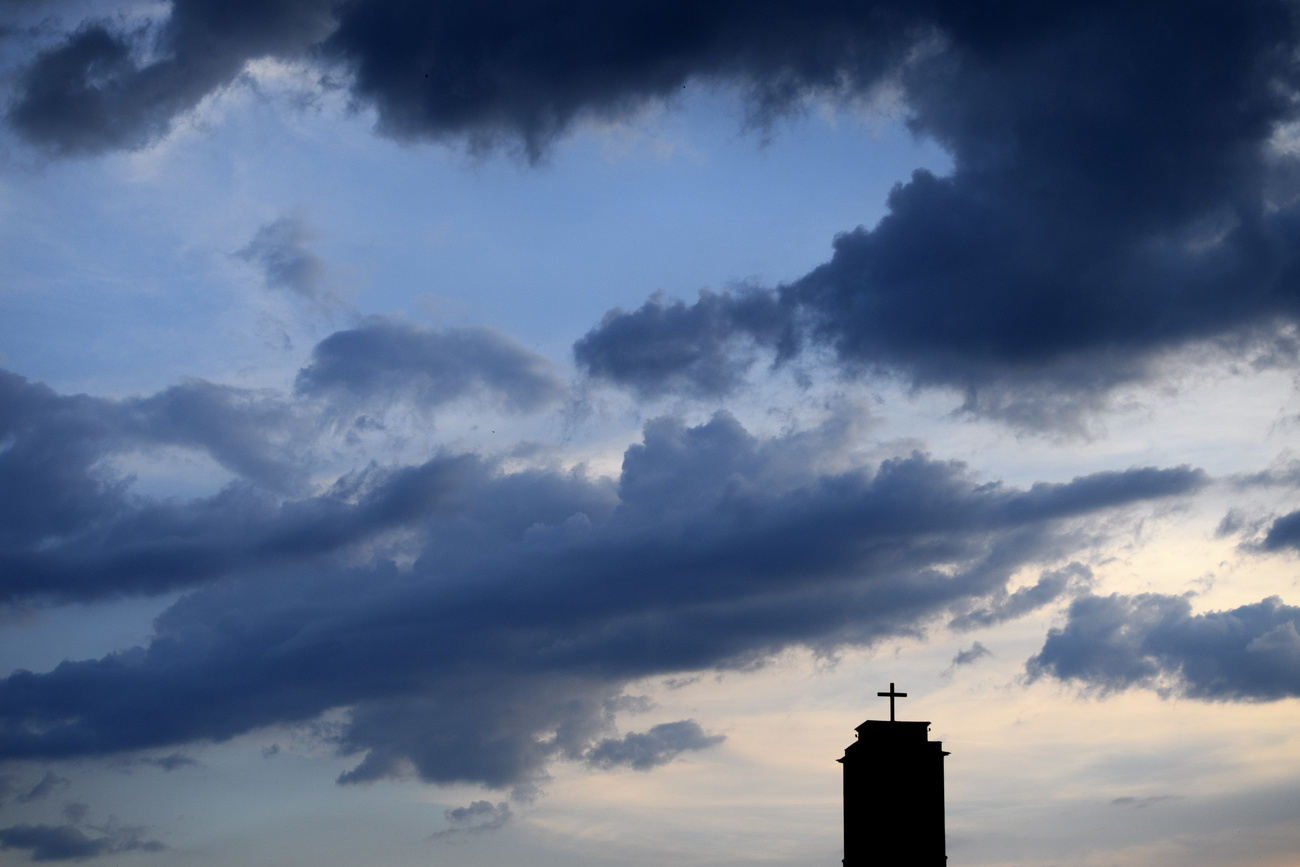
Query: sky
column 476, row 433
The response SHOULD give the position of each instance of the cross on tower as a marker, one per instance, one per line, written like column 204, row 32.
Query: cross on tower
column 892, row 695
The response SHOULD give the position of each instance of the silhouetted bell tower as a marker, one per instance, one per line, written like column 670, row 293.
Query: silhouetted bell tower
column 893, row 794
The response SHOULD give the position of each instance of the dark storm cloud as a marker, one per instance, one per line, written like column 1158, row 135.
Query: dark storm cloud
column 104, row 88
column 384, row 360
column 1116, row 195
column 535, row 597
column 485, row 71
column 480, row 72
column 667, row 347
column 53, row 444
column 51, row 842
column 72, row 529
column 152, row 547
column 1284, row 533
column 1112, row 643
column 70, row 843
column 658, row 746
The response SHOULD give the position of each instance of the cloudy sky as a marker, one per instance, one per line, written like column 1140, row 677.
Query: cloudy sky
column 509, row 432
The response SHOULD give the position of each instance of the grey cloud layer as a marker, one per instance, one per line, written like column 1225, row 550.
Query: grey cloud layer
column 535, row 597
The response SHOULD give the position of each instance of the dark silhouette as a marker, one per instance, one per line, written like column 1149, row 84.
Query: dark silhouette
column 893, row 794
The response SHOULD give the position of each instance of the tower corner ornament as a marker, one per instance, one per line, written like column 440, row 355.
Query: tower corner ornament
column 893, row 794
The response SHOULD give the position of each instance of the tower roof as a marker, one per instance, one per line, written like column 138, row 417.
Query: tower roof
column 907, row 729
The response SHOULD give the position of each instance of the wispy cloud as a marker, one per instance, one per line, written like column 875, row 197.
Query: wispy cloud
column 976, row 652
column 477, row 818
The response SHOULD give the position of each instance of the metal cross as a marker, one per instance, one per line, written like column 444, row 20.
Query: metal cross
column 892, row 695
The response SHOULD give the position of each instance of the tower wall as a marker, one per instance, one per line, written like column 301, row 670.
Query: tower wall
column 893, row 797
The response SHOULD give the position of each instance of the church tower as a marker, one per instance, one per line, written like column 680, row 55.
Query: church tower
column 893, row 795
